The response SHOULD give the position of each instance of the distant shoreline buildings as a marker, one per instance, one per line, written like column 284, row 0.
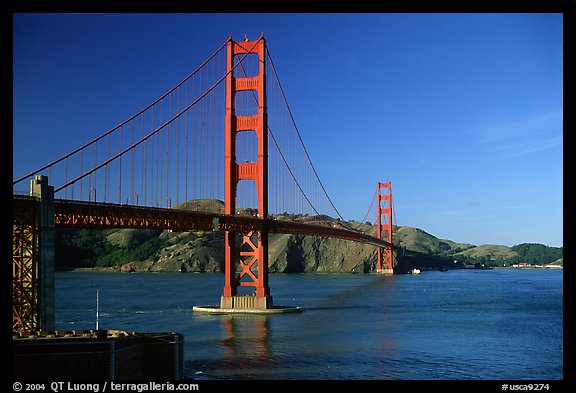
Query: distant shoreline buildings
column 525, row 265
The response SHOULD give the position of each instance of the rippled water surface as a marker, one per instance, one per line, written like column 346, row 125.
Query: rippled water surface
column 460, row 324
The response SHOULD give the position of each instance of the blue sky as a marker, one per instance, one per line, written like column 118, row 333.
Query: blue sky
column 463, row 113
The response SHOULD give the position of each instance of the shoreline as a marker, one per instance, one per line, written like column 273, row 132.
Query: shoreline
column 119, row 270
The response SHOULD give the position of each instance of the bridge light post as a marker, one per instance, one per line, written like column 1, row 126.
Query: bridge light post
column 131, row 198
column 93, row 188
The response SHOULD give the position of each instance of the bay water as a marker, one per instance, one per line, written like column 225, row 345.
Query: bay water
column 500, row 324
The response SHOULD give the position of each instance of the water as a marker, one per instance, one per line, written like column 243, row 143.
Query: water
column 463, row 324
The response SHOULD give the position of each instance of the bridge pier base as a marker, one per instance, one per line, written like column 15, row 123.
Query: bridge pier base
column 385, row 271
column 246, row 302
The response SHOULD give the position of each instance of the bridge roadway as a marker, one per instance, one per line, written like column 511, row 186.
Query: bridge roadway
column 81, row 214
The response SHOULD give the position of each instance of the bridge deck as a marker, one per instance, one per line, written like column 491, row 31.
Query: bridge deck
column 80, row 214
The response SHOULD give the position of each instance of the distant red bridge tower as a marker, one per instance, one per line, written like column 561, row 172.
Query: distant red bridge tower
column 384, row 264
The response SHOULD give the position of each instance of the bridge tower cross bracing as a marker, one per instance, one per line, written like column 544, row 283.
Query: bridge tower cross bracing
column 384, row 263
column 246, row 254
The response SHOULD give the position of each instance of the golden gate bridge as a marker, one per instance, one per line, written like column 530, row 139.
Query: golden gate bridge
column 225, row 133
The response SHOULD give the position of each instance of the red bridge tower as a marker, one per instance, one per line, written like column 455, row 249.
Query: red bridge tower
column 246, row 254
column 384, row 264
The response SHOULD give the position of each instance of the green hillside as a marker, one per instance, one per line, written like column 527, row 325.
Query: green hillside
column 415, row 239
column 489, row 252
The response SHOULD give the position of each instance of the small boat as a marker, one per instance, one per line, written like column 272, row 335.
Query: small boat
column 414, row 271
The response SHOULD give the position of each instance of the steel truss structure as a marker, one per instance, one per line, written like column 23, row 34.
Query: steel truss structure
column 25, row 266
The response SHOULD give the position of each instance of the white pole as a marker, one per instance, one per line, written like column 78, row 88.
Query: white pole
column 97, row 310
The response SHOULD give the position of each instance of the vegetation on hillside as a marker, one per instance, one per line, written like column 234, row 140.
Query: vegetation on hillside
column 93, row 248
column 534, row 253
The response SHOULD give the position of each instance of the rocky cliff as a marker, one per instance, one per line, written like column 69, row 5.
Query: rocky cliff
column 198, row 252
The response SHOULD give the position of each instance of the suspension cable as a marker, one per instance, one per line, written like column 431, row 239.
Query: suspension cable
column 371, row 204
column 124, row 122
column 282, row 155
column 159, row 128
column 298, row 133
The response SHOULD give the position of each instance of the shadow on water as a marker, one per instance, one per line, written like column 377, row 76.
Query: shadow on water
column 263, row 347
column 295, row 346
column 346, row 307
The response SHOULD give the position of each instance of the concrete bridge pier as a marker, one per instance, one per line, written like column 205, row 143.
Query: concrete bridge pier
column 44, row 193
column 246, row 302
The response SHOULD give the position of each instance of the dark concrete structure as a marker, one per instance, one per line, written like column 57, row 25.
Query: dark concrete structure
column 97, row 355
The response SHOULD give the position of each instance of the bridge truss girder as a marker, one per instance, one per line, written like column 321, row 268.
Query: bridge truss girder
column 78, row 214
column 25, row 266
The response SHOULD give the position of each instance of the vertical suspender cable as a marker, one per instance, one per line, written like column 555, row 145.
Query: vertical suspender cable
column 156, row 169
column 300, row 138
column 201, row 177
column 95, row 163
column 211, row 107
column 107, row 174
column 81, row 151
column 168, row 129
column 178, row 153
column 152, row 133
column 194, row 155
column 66, row 177
column 186, row 149
column 143, row 169
column 120, row 171
column 121, row 124
column 132, row 164
column 161, row 157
